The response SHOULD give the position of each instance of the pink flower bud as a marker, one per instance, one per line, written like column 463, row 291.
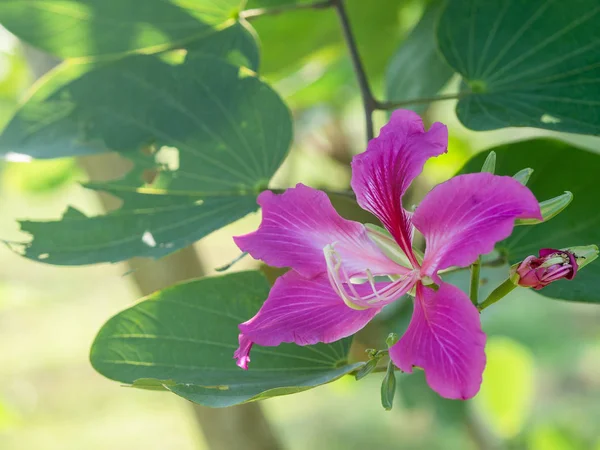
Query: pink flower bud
column 550, row 266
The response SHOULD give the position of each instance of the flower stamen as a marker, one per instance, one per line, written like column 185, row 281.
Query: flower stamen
column 345, row 286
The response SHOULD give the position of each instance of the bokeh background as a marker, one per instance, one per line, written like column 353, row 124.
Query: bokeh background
column 541, row 387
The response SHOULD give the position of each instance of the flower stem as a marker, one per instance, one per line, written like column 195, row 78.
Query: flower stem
column 251, row 14
column 501, row 291
column 474, row 290
column 369, row 102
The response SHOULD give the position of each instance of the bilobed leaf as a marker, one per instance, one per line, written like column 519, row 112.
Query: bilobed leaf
column 183, row 338
column 417, row 69
column 48, row 124
column 525, row 63
column 558, row 167
column 72, row 28
column 206, row 137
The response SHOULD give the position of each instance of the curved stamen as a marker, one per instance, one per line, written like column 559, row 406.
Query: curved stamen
column 345, row 287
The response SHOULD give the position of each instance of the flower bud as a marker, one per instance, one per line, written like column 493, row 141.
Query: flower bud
column 551, row 265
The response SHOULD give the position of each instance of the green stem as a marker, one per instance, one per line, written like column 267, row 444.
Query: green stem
column 474, row 290
column 501, row 291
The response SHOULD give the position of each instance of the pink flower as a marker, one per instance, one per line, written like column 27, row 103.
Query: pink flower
column 331, row 291
column 551, row 265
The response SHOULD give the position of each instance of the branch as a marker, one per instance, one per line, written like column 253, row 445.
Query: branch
column 369, row 102
column 251, row 14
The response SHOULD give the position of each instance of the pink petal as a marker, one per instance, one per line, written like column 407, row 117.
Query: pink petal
column 444, row 338
column 304, row 311
column 382, row 174
column 242, row 354
column 465, row 217
column 298, row 224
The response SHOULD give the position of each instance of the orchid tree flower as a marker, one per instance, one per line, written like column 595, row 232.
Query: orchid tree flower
column 333, row 288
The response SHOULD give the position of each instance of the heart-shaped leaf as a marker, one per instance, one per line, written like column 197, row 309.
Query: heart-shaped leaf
column 71, row 28
column 182, row 339
column 527, row 63
column 558, row 167
column 206, row 137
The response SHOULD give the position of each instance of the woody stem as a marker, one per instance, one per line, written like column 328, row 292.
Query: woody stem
column 369, row 102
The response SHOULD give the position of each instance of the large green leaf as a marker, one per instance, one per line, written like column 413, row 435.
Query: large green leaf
column 526, row 62
column 70, row 28
column 558, row 167
column 206, row 137
column 417, row 70
column 49, row 125
column 183, row 338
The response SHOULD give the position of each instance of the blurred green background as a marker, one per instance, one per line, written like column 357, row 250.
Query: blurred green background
column 541, row 387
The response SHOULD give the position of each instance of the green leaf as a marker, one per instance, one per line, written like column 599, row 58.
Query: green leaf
column 186, row 335
column 56, row 119
column 576, row 225
column 206, row 137
column 236, row 44
column 73, row 28
column 417, row 70
column 525, row 63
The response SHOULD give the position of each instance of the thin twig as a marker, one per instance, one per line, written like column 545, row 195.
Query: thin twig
column 369, row 102
column 251, row 14
column 417, row 101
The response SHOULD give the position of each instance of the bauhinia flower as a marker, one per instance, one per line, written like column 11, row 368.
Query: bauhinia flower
column 333, row 288
column 551, row 265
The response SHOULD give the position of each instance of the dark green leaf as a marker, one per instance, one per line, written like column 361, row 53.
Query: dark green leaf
column 71, row 28
column 236, row 44
column 49, row 124
column 215, row 133
column 558, row 167
column 527, row 63
column 417, row 70
column 186, row 336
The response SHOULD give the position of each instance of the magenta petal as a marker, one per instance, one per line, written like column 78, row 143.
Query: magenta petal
column 444, row 338
column 242, row 354
column 382, row 174
column 298, row 224
column 304, row 311
column 465, row 217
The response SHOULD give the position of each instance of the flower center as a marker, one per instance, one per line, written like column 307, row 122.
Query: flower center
column 374, row 293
